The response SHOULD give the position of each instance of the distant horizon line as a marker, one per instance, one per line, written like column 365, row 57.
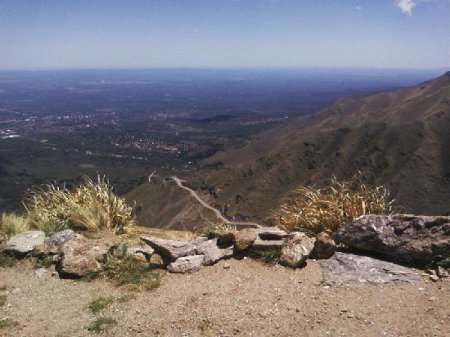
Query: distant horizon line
column 42, row 69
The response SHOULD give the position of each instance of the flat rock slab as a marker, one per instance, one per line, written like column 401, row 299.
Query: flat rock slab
column 25, row 242
column 354, row 270
column 271, row 233
column 212, row 252
column 170, row 250
column 186, row 264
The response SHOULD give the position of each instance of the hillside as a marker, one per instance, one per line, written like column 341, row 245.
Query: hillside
column 398, row 138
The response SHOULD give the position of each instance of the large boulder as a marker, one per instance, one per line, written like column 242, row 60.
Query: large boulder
column 354, row 270
column 409, row 239
column 296, row 250
column 58, row 239
column 186, row 264
column 170, row 250
column 212, row 252
column 81, row 256
column 244, row 239
column 324, row 246
column 24, row 243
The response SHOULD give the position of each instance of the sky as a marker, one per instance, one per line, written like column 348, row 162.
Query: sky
column 55, row 34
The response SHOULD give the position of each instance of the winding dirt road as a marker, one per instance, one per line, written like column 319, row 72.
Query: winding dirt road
column 218, row 214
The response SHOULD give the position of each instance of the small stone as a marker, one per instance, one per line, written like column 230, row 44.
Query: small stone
column 324, row 246
column 226, row 265
column 58, row 239
column 434, row 278
column 442, row 272
column 186, row 264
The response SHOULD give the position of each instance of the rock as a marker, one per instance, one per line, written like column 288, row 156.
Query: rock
column 352, row 270
column 296, row 250
column 226, row 265
column 244, row 238
column 225, row 239
column 170, row 250
column 156, row 260
column 406, row 238
column 120, row 250
column 267, row 244
column 324, row 246
column 58, row 239
column 140, row 252
column 271, row 233
column 186, row 264
column 442, row 272
column 81, row 256
column 26, row 242
column 212, row 252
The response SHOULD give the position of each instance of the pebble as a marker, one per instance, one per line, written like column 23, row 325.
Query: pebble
column 226, row 265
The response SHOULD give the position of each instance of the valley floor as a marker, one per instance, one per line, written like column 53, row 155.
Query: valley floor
column 232, row 298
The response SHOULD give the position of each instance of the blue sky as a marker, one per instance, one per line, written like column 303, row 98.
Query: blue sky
column 46, row 34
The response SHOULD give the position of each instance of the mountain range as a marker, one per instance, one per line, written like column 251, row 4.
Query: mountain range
column 399, row 138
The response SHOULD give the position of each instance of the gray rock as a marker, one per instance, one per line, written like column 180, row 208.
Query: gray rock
column 26, row 242
column 442, row 272
column 352, row 270
column 267, row 244
column 120, row 250
column 170, row 250
column 58, row 239
column 212, row 252
column 405, row 238
column 186, row 264
column 244, row 239
column 324, row 246
column 296, row 250
column 140, row 251
column 271, row 233
column 81, row 256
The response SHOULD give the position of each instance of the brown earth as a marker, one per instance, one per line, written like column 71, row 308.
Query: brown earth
column 232, row 298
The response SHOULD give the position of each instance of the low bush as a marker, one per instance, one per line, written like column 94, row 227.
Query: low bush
column 100, row 304
column 90, row 206
column 327, row 209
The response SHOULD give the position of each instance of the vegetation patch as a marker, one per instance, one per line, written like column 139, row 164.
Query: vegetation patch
column 6, row 260
column 101, row 324
column 129, row 271
column 12, row 224
column 270, row 256
column 8, row 323
column 327, row 209
column 100, row 304
column 3, row 298
column 90, row 206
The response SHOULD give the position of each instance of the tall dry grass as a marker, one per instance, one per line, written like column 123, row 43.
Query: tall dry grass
column 90, row 206
column 12, row 224
column 326, row 209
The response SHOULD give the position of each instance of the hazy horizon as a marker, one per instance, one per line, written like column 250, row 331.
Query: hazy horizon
column 225, row 34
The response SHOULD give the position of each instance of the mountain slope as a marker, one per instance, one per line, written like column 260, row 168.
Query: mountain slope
column 399, row 138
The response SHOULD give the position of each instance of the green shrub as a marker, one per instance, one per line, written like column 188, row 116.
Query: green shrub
column 90, row 206
column 329, row 208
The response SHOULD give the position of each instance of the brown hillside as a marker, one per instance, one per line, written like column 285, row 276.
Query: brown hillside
column 399, row 138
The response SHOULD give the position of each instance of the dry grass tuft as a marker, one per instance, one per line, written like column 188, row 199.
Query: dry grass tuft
column 327, row 209
column 13, row 224
column 91, row 206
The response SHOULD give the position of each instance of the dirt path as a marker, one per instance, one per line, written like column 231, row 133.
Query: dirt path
column 217, row 213
column 232, row 298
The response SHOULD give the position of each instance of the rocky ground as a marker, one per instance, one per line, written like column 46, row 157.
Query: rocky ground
column 231, row 298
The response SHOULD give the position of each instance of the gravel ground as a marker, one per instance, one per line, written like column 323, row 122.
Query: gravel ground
column 231, row 298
